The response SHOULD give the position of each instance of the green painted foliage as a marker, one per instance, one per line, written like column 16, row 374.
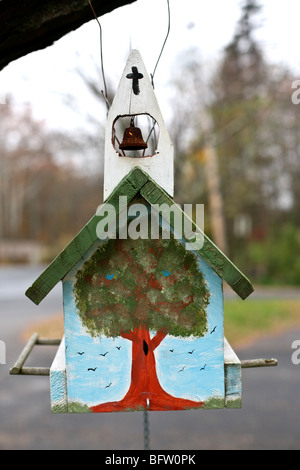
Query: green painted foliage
column 153, row 283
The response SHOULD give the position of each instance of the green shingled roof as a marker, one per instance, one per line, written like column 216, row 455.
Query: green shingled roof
column 136, row 183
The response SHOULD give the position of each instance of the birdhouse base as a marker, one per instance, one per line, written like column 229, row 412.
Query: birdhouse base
column 58, row 383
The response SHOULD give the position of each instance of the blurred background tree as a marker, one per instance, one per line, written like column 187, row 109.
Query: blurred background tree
column 41, row 185
column 243, row 159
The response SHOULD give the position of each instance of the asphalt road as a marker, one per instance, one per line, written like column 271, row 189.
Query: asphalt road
column 269, row 418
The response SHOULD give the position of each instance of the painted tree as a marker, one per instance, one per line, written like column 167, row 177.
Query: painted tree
column 143, row 290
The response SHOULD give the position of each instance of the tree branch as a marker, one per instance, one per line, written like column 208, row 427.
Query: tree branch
column 128, row 335
column 31, row 25
column 157, row 339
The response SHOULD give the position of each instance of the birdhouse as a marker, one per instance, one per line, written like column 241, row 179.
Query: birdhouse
column 142, row 295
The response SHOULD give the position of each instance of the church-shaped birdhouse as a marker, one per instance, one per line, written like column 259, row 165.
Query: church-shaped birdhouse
column 142, row 284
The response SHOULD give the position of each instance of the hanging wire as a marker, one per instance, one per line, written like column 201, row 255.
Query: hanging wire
column 152, row 74
column 101, row 56
column 167, row 35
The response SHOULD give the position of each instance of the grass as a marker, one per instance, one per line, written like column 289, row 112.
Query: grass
column 246, row 320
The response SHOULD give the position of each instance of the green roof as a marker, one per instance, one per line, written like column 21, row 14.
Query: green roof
column 136, row 183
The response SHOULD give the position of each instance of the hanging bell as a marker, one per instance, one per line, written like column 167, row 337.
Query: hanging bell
column 132, row 138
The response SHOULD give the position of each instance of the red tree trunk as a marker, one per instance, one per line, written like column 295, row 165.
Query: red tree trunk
column 145, row 391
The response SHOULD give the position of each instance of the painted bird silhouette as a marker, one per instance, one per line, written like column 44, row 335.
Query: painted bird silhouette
column 213, row 330
column 118, row 347
column 191, row 352
column 107, row 386
column 181, row 369
column 166, row 273
column 171, row 350
column 202, row 368
column 80, row 353
column 109, row 276
column 104, row 354
column 92, row 369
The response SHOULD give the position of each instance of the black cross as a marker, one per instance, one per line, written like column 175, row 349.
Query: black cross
column 135, row 76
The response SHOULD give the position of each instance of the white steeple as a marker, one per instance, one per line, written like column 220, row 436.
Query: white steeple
column 135, row 97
